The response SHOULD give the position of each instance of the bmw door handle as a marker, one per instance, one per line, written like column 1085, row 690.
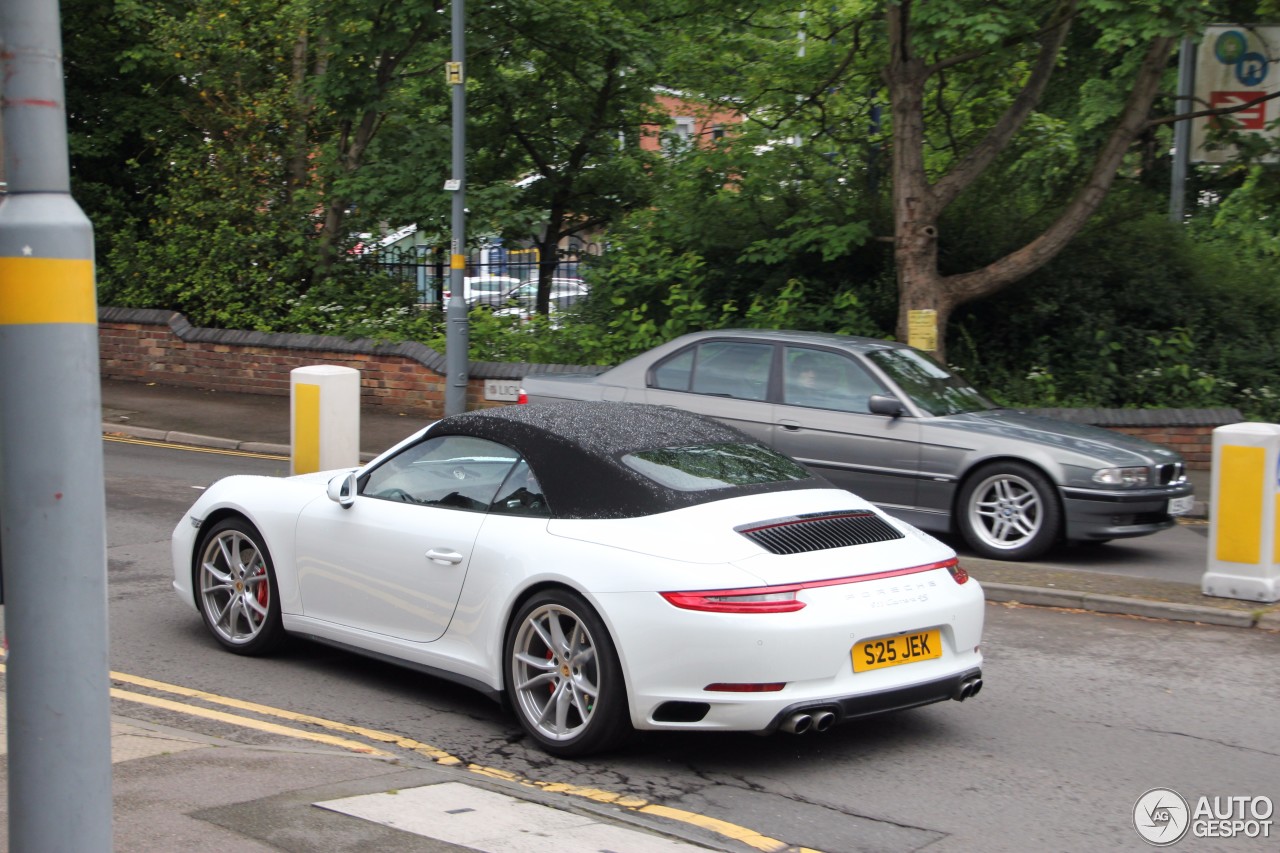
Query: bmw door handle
column 443, row 557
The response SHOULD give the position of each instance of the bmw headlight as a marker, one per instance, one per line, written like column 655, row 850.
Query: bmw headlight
column 1123, row 477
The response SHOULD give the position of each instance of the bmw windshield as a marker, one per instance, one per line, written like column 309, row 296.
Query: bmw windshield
column 930, row 386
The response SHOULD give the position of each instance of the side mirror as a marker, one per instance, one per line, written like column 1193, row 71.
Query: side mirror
column 879, row 404
column 342, row 489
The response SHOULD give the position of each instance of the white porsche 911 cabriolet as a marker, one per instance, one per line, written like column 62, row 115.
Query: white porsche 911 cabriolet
column 603, row 566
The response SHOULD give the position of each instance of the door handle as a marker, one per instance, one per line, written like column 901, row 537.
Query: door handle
column 443, row 557
column 791, row 425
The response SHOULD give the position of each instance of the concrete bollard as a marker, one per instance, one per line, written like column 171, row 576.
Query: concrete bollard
column 1244, row 551
column 324, row 408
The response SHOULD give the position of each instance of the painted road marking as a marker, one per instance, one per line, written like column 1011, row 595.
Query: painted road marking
column 169, row 445
column 749, row 837
column 490, row 822
column 127, row 741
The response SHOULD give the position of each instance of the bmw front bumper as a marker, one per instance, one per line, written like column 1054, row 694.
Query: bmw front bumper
column 1093, row 515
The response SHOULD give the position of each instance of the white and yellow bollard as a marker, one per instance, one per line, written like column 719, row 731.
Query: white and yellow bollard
column 1244, row 551
column 324, row 408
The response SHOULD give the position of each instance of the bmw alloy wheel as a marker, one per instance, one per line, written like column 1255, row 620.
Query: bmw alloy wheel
column 1009, row 511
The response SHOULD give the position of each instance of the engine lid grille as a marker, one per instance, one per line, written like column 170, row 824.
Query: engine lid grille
column 819, row 531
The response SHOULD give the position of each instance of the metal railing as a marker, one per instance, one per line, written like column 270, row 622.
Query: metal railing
column 494, row 274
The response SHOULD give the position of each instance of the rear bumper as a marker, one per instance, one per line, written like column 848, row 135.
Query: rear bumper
column 899, row 699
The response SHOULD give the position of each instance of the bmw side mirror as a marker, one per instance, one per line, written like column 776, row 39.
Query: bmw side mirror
column 883, row 405
column 342, row 489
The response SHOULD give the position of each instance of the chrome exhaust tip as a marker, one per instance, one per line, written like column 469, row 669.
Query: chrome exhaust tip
column 797, row 724
column 823, row 720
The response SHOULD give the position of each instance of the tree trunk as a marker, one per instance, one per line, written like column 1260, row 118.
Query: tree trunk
column 918, row 204
column 915, row 207
column 549, row 257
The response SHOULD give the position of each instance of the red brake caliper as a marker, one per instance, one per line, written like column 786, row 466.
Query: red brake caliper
column 264, row 589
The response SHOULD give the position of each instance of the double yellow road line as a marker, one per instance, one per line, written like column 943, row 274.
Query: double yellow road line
column 340, row 735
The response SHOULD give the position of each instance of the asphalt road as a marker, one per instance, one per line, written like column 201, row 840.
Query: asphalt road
column 1177, row 554
column 1081, row 714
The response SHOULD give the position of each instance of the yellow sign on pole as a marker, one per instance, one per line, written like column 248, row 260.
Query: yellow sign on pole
column 453, row 73
column 922, row 329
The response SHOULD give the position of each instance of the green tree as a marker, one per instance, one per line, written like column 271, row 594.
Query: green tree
column 291, row 127
column 567, row 89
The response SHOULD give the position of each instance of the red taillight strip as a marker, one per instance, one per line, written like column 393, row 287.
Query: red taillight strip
column 892, row 573
column 705, row 599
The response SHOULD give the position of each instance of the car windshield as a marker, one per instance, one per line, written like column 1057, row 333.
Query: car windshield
column 932, row 388
column 714, row 466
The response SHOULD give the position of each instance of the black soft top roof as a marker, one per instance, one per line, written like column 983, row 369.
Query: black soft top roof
column 575, row 449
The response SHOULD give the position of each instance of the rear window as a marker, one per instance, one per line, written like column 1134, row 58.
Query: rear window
column 703, row 467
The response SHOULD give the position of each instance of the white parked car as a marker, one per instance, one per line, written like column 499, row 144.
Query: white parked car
column 605, row 567
column 483, row 290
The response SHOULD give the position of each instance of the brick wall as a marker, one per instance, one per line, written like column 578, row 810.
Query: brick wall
column 1188, row 431
column 162, row 346
column 1195, row 443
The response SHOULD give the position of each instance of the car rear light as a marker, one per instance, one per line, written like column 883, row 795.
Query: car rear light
column 782, row 598
column 721, row 687
column 522, row 398
column 771, row 599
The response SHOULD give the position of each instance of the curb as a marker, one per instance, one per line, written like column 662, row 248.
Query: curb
column 1116, row 604
column 190, row 439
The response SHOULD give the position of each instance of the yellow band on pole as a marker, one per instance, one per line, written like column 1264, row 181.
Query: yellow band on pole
column 46, row 290
column 457, row 262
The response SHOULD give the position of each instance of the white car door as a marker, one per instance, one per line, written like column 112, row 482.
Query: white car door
column 394, row 562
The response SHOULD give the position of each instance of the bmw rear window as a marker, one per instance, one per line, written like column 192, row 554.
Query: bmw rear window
column 703, row 467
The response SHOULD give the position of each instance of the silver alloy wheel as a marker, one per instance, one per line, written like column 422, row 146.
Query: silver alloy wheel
column 1006, row 511
column 235, row 588
column 556, row 674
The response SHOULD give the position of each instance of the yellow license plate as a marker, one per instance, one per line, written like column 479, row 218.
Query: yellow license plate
column 891, row 651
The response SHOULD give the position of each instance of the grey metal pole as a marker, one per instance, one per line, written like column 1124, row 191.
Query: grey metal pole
column 457, row 332
column 52, row 505
column 1182, row 132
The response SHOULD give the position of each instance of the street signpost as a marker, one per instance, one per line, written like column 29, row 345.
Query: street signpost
column 52, row 504
column 457, row 336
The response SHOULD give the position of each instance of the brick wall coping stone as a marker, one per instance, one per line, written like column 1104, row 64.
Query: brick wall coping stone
column 424, row 355
column 1145, row 417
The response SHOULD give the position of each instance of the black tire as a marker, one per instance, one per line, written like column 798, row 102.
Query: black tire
column 563, row 678
column 235, row 588
column 1009, row 511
